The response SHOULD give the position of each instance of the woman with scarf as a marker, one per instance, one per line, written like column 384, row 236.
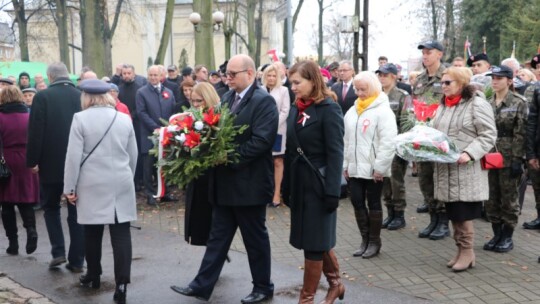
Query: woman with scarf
column 314, row 159
column 370, row 128
column 468, row 121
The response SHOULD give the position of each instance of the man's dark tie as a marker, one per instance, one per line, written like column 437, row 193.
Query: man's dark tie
column 236, row 103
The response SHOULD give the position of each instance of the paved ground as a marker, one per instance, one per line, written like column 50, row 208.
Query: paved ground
column 408, row 269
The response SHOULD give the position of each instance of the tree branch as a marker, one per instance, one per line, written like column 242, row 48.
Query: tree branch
column 116, row 17
column 75, row 47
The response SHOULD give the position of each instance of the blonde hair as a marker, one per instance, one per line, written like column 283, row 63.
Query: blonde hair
column 529, row 74
column 461, row 75
column 207, row 92
column 90, row 100
column 374, row 85
column 272, row 68
column 10, row 94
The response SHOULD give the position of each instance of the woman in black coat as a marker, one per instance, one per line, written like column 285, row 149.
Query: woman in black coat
column 313, row 181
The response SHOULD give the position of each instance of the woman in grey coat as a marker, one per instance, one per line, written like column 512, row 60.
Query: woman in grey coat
column 98, row 179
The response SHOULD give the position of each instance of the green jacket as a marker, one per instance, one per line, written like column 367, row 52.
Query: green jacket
column 427, row 88
column 400, row 102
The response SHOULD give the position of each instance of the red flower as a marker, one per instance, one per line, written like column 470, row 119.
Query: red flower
column 210, row 117
column 424, row 111
column 187, row 122
column 165, row 94
column 167, row 138
column 416, row 145
column 193, row 139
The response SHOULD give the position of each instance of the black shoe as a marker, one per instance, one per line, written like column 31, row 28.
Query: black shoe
column 187, row 291
column 151, row 201
column 441, row 231
column 430, row 227
column 120, row 294
column 490, row 245
column 256, row 297
column 424, row 208
column 534, row 224
column 168, row 198
column 388, row 218
column 88, row 281
column 57, row 261
column 74, row 269
column 31, row 240
column 398, row 222
column 13, row 248
column 505, row 244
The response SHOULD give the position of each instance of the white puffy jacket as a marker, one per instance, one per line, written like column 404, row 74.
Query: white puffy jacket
column 369, row 139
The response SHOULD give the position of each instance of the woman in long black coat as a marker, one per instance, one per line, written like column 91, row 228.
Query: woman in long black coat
column 312, row 189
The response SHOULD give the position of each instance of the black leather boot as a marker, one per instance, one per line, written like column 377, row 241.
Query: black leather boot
column 497, row 230
column 534, row 224
column 424, row 208
column 398, row 222
column 441, row 230
column 363, row 225
column 388, row 218
column 505, row 244
column 424, row 233
column 120, row 293
column 13, row 248
column 31, row 240
column 89, row 281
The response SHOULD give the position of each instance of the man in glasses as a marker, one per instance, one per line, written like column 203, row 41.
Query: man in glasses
column 242, row 190
column 428, row 88
column 344, row 89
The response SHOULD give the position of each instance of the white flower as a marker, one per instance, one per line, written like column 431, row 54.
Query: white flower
column 198, row 125
column 172, row 128
column 181, row 138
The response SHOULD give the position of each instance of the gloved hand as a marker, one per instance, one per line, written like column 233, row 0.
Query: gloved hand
column 516, row 169
column 331, row 203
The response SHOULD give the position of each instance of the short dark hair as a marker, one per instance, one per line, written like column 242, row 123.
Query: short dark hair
column 382, row 58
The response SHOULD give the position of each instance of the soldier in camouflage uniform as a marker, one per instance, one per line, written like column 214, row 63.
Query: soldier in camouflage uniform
column 394, row 186
column 428, row 88
column 534, row 174
column 511, row 112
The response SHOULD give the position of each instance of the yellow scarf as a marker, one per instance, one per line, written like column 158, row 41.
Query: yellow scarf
column 363, row 104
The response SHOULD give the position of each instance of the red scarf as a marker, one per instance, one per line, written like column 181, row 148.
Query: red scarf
column 452, row 101
column 302, row 105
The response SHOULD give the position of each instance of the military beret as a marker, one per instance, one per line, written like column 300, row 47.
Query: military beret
column 6, row 80
column 95, row 86
column 535, row 60
column 29, row 90
column 387, row 69
column 502, row 71
column 431, row 44
column 476, row 58
column 187, row 71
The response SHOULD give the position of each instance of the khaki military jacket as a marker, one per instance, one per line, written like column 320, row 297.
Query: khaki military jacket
column 400, row 102
column 429, row 89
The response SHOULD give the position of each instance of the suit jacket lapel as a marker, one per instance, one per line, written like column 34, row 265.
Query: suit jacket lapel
column 247, row 97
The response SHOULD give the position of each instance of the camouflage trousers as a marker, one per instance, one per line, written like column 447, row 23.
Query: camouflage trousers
column 502, row 206
column 394, row 186
column 534, row 175
column 426, row 183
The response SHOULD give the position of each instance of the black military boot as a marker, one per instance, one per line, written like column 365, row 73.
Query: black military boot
column 388, row 218
column 505, row 244
column 430, row 227
column 398, row 222
column 497, row 230
column 441, row 231
column 534, row 224
column 424, row 208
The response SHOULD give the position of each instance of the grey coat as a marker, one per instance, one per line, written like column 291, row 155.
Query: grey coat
column 471, row 126
column 104, row 184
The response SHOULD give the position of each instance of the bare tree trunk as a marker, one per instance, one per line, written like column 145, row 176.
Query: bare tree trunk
column 258, row 34
column 204, row 38
column 449, row 31
column 63, row 38
column 321, row 42
column 20, row 18
column 165, row 36
column 434, row 18
column 251, row 6
column 229, row 29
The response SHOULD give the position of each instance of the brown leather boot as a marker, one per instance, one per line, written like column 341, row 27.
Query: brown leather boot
column 467, row 257
column 457, row 234
column 374, row 246
column 312, row 276
column 363, row 225
column 336, row 289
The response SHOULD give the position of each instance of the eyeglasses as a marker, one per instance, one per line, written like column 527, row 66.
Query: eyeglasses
column 197, row 100
column 233, row 74
column 446, row 82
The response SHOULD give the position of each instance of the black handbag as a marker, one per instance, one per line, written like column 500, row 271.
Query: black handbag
column 5, row 172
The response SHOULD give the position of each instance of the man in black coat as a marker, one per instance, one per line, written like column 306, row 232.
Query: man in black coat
column 154, row 102
column 345, row 88
column 48, row 134
column 242, row 190
column 170, row 85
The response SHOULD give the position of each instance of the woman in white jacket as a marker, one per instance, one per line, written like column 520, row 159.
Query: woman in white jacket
column 370, row 128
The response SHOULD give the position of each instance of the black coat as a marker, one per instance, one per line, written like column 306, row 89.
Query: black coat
column 175, row 89
column 250, row 181
column 292, row 96
column 48, row 129
column 126, row 94
column 321, row 139
column 349, row 99
column 198, row 217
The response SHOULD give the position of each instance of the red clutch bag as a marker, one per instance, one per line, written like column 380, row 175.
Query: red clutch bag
column 492, row 161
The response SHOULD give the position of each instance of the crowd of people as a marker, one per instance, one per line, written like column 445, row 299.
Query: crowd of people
column 314, row 135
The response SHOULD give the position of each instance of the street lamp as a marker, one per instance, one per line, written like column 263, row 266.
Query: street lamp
column 217, row 19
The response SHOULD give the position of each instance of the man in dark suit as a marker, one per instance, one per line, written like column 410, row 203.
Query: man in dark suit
column 154, row 102
column 242, row 190
column 48, row 134
column 170, row 85
column 345, row 89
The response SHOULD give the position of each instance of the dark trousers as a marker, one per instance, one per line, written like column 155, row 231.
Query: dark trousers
column 9, row 219
column 121, row 245
column 362, row 189
column 51, row 208
column 149, row 169
column 225, row 221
